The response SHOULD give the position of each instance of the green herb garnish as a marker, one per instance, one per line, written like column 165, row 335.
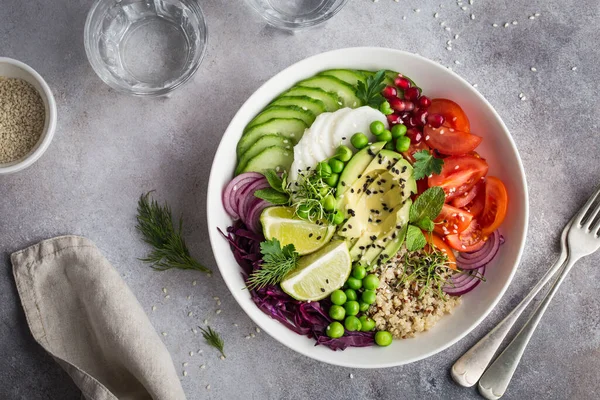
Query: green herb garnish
column 307, row 195
column 426, row 164
column 428, row 270
column 422, row 213
column 277, row 193
column 370, row 93
column 213, row 339
column 155, row 223
column 276, row 263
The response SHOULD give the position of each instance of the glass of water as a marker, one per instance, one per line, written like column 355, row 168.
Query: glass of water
column 145, row 47
column 296, row 14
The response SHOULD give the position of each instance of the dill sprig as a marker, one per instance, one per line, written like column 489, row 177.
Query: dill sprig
column 427, row 269
column 213, row 339
column 155, row 223
column 276, row 263
column 307, row 194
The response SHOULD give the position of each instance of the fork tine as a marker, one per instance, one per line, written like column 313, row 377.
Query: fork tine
column 584, row 210
column 588, row 225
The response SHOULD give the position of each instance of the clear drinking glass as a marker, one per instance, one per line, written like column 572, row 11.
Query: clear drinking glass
column 145, row 47
column 296, row 14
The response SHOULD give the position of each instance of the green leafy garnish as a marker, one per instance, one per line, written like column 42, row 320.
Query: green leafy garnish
column 155, row 223
column 213, row 339
column 307, row 195
column 428, row 269
column 426, row 164
column 415, row 240
column 370, row 93
column 426, row 224
column 276, row 263
column 276, row 182
column 272, row 196
column 428, row 205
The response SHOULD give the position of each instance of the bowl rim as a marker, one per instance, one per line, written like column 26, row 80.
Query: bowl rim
column 48, row 133
column 95, row 64
column 251, row 309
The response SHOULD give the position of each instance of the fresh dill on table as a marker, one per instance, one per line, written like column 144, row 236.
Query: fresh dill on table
column 213, row 339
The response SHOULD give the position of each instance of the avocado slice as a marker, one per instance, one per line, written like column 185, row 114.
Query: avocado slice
column 395, row 244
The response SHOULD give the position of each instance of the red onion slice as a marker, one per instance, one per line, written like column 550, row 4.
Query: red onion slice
column 481, row 257
column 237, row 184
column 462, row 283
column 254, row 215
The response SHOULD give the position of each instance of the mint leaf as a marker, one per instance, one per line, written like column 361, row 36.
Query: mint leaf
column 426, row 164
column 415, row 240
column 274, row 180
column 426, row 224
column 428, row 205
column 273, row 196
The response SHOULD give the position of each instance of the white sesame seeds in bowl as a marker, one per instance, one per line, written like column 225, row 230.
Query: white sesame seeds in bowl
column 27, row 116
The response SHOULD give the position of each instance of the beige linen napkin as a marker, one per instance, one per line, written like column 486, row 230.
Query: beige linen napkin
column 80, row 310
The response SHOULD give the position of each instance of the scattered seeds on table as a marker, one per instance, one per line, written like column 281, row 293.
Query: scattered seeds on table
column 351, row 376
column 247, row 336
column 194, row 283
column 203, row 366
column 464, row 8
column 533, row 69
column 252, row 335
column 164, row 290
column 495, row 25
column 537, row 14
column 456, row 36
column 531, row 17
column 190, row 314
column 449, row 48
column 573, row 68
column 218, row 312
column 235, row 324
column 168, row 296
column 189, row 297
column 514, row 22
column 436, row 15
column 164, row 333
column 456, row 62
column 474, row 85
column 184, row 372
column 194, row 330
column 205, row 322
column 222, row 357
column 185, row 364
column 257, row 329
column 472, row 16
column 216, row 298
column 191, row 354
column 153, row 308
column 208, row 386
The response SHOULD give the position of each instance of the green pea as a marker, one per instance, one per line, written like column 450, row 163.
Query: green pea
column 370, row 282
column 359, row 272
column 352, row 324
column 350, row 295
column 359, row 140
column 323, row 169
column 402, row 143
column 364, row 307
column 335, row 330
column 398, row 130
column 385, row 108
column 324, row 190
column 377, row 128
column 337, row 312
column 366, row 324
column 338, row 218
column 332, row 180
column 336, row 165
column 383, row 338
column 351, row 307
column 354, row 283
column 338, row 297
column 303, row 211
column 386, row 136
column 329, row 203
column 368, row 296
column 343, row 153
column 390, row 146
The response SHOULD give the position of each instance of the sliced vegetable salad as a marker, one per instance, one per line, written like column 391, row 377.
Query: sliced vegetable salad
column 344, row 175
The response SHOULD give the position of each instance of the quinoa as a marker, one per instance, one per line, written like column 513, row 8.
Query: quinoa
column 22, row 118
column 405, row 308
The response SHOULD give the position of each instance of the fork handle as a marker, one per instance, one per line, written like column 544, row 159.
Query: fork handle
column 494, row 382
column 467, row 370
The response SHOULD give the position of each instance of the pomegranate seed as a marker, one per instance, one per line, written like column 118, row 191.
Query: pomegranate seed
column 414, row 135
column 409, row 106
column 397, row 104
column 410, row 122
column 402, row 82
column 393, row 119
column 435, row 120
column 420, row 116
column 389, row 92
column 424, row 102
column 412, row 93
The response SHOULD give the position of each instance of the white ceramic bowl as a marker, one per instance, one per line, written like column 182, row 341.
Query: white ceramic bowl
column 10, row 68
column 497, row 147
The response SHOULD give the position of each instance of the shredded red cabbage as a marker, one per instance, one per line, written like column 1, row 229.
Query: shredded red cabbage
column 309, row 319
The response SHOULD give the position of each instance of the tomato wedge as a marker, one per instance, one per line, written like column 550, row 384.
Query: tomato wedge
column 437, row 241
column 467, row 197
column 450, row 141
column 459, row 174
column 453, row 115
column 471, row 239
column 496, row 203
column 452, row 220
column 476, row 206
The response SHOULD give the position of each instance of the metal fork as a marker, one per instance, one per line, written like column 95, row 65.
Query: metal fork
column 582, row 239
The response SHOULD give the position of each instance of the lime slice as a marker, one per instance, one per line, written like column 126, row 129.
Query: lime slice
column 281, row 224
column 319, row 274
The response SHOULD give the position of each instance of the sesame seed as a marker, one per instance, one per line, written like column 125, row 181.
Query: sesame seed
column 464, row 8
column 194, row 330
column 194, row 283
column 417, row 10
column 351, row 376
column 472, row 16
column 191, row 353
column 514, row 22
column 456, row 36
column 495, row 25
column 207, row 387
column 164, row 290
column 202, row 366
column 168, row 296
column 153, row 308
column 190, row 314
column 257, row 329
column 218, row 312
column 537, row 14
column 456, row 62
column 573, row 68
column 506, row 25
column 185, row 364
column 164, row 333
column 205, row 322
column 533, row 69
column 436, row 15
column 184, row 373
column 531, row 17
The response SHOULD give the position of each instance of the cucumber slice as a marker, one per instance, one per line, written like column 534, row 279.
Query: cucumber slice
column 330, row 100
column 351, row 77
column 304, row 102
column 346, row 92
column 261, row 144
column 273, row 157
column 275, row 112
column 290, row 128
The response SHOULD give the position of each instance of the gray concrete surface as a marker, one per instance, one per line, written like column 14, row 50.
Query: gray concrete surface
column 110, row 148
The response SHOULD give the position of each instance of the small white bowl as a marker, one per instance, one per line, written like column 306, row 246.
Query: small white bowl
column 10, row 68
column 497, row 147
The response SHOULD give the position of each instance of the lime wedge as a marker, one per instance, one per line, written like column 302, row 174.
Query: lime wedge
column 281, row 224
column 319, row 274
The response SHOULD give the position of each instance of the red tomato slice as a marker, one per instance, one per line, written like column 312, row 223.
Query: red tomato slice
column 496, row 203
column 450, row 141
column 452, row 220
column 408, row 154
column 476, row 206
column 471, row 239
column 467, row 197
column 459, row 174
column 437, row 241
column 452, row 113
